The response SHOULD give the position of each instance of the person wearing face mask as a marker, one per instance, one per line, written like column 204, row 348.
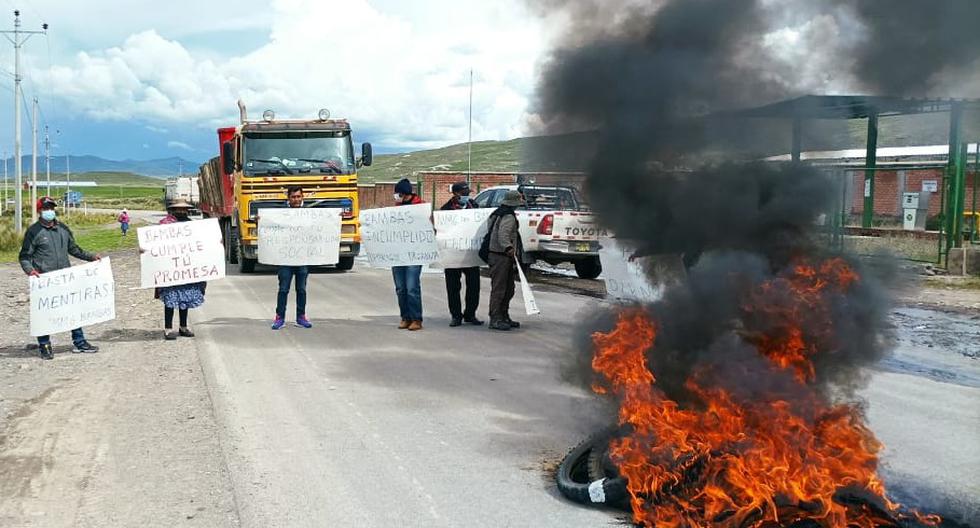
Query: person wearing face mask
column 408, row 279
column 461, row 200
column 182, row 297
column 47, row 245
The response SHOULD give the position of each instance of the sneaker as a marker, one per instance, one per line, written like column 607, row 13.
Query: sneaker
column 304, row 322
column 457, row 321
column 169, row 335
column 503, row 326
column 185, row 332
column 404, row 324
column 85, row 347
column 46, row 351
column 278, row 322
column 415, row 325
column 472, row 320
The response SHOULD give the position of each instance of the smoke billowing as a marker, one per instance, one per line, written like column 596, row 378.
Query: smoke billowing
column 671, row 175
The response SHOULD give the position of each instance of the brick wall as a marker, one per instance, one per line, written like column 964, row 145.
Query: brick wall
column 375, row 195
column 889, row 186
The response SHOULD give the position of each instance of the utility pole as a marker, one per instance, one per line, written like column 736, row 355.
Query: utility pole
column 4, row 203
column 34, row 160
column 469, row 141
column 47, row 157
column 68, row 181
column 20, row 37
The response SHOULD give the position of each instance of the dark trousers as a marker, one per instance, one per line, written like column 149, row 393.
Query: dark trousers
column 454, row 284
column 286, row 274
column 502, row 275
column 408, row 289
column 77, row 336
column 168, row 317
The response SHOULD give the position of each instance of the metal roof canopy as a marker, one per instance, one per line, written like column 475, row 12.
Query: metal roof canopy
column 871, row 107
column 853, row 107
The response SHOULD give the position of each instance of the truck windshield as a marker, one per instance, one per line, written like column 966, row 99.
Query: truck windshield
column 298, row 153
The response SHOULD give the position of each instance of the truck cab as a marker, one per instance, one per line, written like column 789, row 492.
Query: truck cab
column 260, row 160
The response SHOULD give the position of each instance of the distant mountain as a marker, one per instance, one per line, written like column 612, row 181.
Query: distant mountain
column 157, row 168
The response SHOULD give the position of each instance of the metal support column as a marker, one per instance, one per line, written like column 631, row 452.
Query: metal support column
column 955, row 181
column 797, row 138
column 871, row 161
column 973, row 209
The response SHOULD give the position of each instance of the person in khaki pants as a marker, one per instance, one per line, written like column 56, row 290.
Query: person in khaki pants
column 505, row 243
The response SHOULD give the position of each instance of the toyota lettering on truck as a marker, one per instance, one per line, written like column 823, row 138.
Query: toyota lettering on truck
column 259, row 160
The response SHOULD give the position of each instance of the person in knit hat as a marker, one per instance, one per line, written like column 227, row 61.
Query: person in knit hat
column 408, row 279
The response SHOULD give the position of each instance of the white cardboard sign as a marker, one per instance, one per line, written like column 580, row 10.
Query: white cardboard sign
column 399, row 236
column 530, row 305
column 72, row 298
column 625, row 279
column 459, row 234
column 180, row 253
column 298, row 236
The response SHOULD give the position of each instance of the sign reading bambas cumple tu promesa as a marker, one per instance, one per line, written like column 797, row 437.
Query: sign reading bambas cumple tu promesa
column 180, row 253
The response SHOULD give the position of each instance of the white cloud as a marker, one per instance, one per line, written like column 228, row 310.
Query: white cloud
column 400, row 71
column 179, row 145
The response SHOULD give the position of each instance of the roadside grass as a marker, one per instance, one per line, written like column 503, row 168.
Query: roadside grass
column 115, row 191
column 954, row 282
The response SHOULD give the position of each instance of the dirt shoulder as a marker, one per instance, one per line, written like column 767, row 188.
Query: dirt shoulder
column 124, row 437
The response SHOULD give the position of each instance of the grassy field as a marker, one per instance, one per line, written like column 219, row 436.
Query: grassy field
column 116, row 190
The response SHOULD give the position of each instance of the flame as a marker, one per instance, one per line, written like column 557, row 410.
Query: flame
column 724, row 462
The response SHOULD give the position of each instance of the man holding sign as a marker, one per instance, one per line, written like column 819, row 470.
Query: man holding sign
column 46, row 247
column 294, row 196
column 461, row 201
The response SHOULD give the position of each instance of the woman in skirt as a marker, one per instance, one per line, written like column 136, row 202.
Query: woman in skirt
column 180, row 298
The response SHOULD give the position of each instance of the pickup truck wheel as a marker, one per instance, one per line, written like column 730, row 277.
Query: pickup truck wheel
column 588, row 268
column 345, row 263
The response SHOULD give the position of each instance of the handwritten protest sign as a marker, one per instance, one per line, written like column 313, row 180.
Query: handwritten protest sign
column 398, row 236
column 180, row 253
column 625, row 279
column 459, row 235
column 72, row 298
column 299, row 236
column 530, row 305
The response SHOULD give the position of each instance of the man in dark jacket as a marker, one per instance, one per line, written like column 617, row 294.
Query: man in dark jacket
column 46, row 247
column 461, row 200
column 505, row 243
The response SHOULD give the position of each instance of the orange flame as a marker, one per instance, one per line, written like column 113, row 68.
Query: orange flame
column 721, row 462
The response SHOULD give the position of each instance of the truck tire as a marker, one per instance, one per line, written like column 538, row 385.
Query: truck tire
column 589, row 268
column 231, row 243
column 575, row 481
column 345, row 263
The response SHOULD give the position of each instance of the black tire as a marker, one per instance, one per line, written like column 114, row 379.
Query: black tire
column 231, row 243
column 345, row 263
column 589, row 268
column 574, row 481
column 246, row 265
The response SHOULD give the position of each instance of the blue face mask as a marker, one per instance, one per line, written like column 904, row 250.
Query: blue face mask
column 463, row 200
column 48, row 215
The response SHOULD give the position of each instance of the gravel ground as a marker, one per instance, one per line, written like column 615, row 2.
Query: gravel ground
column 124, row 437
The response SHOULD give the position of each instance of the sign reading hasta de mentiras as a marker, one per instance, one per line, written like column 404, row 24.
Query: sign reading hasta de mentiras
column 399, row 236
column 72, row 298
column 180, row 253
column 299, row 236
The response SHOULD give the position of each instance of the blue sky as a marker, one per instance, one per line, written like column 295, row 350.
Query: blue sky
column 134, row 79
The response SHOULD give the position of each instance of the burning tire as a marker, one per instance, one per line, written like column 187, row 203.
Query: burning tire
column 588, row 268
column 576, row 476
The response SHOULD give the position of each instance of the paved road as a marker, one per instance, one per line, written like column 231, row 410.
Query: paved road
column 356, row 423
column 137, row 215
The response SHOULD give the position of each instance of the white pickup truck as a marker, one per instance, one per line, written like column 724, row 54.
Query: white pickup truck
column 556, row 226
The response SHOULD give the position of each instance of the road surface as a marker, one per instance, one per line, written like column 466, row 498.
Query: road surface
column 357, row 423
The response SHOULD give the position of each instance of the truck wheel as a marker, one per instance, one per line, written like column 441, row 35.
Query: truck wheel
column 231, row 243
column 588, row 268
column 246, row 265
column 345, row 263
